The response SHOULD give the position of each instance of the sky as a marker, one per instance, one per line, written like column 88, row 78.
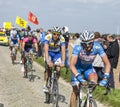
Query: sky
column 78, row 15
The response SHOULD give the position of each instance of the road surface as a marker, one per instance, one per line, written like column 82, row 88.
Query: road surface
column 16, row 91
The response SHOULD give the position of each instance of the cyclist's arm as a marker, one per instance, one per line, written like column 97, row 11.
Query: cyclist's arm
column 63, row 53
column 73, row 61
column 107, row 63
column 23, row 45
column 46, row 52
column 36, row 46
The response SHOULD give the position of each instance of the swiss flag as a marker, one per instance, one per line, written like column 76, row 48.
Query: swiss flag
column 32, row 18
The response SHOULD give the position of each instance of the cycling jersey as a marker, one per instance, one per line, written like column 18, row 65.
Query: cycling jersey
column 54, row 46
column 14, row 40
column 29, row 43
column 85, row 60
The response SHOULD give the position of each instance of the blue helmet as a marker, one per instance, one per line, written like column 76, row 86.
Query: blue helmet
column 86, row 36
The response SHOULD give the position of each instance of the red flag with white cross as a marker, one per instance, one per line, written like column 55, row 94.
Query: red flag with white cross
column 32, row 18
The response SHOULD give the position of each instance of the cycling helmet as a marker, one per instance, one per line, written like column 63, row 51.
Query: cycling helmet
column 86, row 36
column 29, row 34
column 14, row 32
column 56, row 29
column 65, row 29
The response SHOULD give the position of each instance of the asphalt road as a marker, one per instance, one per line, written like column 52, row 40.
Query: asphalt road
column 16, row 91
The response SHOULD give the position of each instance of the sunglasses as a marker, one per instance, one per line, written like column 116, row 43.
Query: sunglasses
column 55, row 33
column 87, row 43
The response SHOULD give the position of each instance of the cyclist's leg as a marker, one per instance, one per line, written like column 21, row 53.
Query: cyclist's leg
column 74, row 94
column 57, row 61
column 11, row 46
column 91, row 75
column 23, row 61
column 47, row 75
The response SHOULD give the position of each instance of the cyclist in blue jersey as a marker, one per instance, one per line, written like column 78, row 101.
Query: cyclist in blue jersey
column 81, row 61
column 54, row 47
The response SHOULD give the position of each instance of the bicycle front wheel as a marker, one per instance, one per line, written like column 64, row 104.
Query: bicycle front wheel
column 55, row 95
column 90, row 103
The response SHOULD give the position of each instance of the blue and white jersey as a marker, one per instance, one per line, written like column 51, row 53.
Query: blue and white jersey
column 85, row 59
column 13, row 39
column 54, row 47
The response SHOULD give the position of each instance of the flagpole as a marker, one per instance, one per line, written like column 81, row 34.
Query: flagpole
column 118, row 29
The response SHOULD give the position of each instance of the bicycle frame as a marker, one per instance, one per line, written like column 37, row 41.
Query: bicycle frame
column 53, row 94
column 87, row 100
column 28, row 64
column 13, row 52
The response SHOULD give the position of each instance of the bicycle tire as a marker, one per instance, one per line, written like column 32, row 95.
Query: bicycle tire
column 79, row 99
column 13, row 58
column 92, row 103
column 47, row 97
column 31, row 71
column 55, row 93
column 26, row 70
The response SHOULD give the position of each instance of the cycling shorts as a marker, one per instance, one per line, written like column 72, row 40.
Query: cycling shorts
column 14, row 43
column 55, row 57
column 29, row 50
column 85, row 74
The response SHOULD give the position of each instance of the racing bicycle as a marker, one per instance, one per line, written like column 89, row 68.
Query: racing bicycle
column 13, row 55
column 86, row 100
column 28, row 65
column 52, row 96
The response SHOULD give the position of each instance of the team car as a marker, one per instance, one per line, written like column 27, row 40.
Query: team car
column 4, row 39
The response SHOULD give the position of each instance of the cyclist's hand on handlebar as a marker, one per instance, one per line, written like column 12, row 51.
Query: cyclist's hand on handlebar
column 62, row 65
column 80, row 79
column 23, row 52
column 50, row 64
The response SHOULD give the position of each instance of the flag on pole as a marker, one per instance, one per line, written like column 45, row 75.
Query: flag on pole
column 32, row 18
column 7, row 25
column 21, row 22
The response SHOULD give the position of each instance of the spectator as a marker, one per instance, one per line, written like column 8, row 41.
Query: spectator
column 112, row 52
column 66, row 35
column 41, row 42
column 98, row 63
column 77, row 42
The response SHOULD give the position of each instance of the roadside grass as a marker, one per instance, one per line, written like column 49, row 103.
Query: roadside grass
column 112, row 99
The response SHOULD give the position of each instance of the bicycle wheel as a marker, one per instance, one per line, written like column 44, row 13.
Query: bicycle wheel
column 12, row 58
column 91, row 103
column 55, row 93
column 47, row 97
column 31, row 71
column 79, row 99
column 26, row 70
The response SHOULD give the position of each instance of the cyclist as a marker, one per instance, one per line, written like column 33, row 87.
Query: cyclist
column 14, row 41
column 81, row 64
column 54, row 47
column 27, row 46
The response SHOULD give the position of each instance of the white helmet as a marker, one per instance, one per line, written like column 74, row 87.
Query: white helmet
column 65, row 29
column 14, row 32
column 86, row 36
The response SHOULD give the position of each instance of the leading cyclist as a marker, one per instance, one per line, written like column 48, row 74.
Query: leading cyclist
column 54, row 47
column 81, row 64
